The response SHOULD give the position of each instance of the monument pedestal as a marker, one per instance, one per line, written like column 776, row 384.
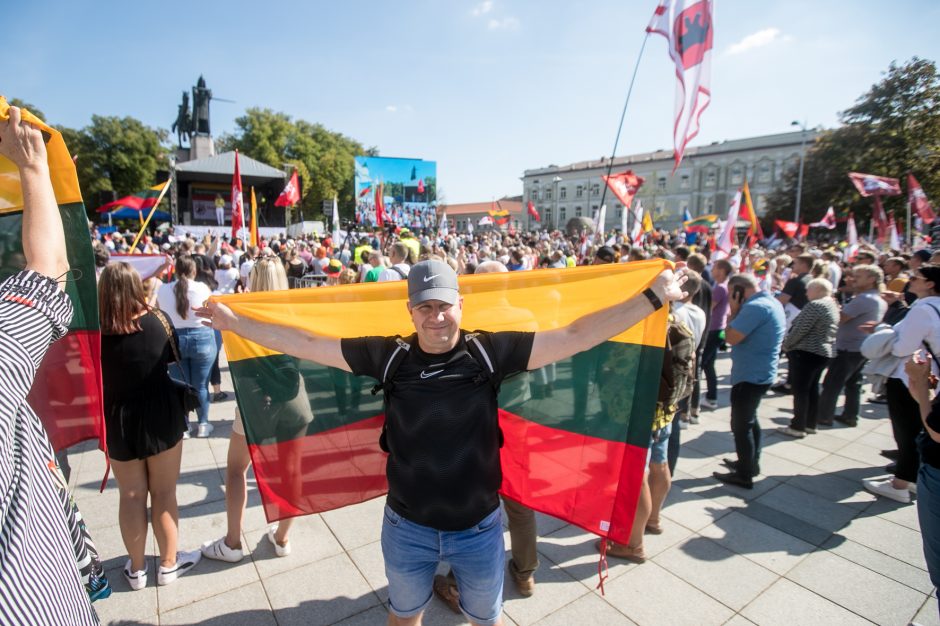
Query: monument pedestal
column 200, row 147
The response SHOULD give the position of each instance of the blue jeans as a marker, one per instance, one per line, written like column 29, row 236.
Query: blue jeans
column 928, row 514
column 709, row 355
column 476, row 556
column 197, row 351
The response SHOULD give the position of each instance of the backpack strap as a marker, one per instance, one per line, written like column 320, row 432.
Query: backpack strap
column 391, row 367
column 399, row 271
column 927, row 345
column 474, row 343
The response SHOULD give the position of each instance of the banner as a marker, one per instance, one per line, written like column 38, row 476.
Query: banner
column 575, row 443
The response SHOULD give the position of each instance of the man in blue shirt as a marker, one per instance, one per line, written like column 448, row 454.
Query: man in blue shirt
column 755, row 331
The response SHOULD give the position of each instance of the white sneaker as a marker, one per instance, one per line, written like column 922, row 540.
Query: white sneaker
column 278, row 548
column 185, row 561
column 187, row 433
column 711, row 404
column 204, row 430
column 886, row 489
column 693, row 419
column 218, row 551
column 135, row 580
column 791, row 432
column 912, row 487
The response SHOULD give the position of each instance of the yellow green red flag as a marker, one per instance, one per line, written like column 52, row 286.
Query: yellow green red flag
column 575, row 432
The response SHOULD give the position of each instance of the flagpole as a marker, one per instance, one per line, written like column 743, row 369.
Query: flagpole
column 152, row 211
column 623, row 114
column 910, row 241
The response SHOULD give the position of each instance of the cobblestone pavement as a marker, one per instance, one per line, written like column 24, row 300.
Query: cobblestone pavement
column 807, row 546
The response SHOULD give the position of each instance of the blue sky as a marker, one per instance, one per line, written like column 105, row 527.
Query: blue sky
column 485, row 88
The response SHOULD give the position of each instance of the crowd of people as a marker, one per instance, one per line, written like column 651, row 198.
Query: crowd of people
column 838, row 316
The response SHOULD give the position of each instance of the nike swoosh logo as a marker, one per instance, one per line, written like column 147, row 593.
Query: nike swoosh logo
column 427, row 278
column 430, row 374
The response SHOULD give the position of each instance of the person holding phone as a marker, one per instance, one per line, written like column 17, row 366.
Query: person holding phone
column 755, row 333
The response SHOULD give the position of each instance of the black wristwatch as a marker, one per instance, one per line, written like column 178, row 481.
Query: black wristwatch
column 654, row 299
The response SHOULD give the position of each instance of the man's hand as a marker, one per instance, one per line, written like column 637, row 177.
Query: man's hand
column 20, row 142
column 217, row 316
column 918, row 374
column 668, row 285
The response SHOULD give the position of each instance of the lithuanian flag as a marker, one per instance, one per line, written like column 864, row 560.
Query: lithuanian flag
column 575, row 432
column 139, row 200
column 67, row 391
column 702, row 224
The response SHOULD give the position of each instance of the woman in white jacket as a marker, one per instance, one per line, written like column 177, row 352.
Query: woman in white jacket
column 919, row 330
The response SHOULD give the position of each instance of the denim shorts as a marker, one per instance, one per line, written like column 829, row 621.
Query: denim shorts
column 659, row 445
column 476, row 556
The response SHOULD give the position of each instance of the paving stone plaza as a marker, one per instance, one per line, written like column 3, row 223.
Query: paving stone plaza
column 807, row 546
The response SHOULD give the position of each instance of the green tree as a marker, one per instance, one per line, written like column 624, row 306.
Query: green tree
column 324, row 158
column 892, row 129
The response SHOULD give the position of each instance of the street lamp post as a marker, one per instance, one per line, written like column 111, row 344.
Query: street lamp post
column 799, row 180
column 555, row 182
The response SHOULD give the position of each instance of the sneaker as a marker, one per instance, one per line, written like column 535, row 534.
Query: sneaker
column 186, row 433
column 693, row 419
column 185, row 561
column 135, row 580
column 204, row 430
column 710, row 404
column 886, row 489
column 683, row 424
column 220, row 396
column 810, row 431
column 278, row 548
column 218, row 550
column 98, row 587
column 791, row 432
column 912, row 487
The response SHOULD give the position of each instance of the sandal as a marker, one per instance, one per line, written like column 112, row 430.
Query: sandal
column 654, row 528
column 446, row 589
column 622, row 551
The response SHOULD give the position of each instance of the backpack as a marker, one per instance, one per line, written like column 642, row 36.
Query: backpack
column 473, row 342
column 678, row 371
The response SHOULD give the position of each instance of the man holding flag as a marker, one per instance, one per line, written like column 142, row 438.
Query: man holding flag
column 441, row 432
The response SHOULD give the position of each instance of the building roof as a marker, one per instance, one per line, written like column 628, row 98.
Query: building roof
column 224, row 164
column 779, row 140
column 471, row 208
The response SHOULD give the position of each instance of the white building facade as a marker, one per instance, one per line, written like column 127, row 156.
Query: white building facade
column 705, row 182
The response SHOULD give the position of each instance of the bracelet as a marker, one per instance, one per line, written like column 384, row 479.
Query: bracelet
column 654, row 299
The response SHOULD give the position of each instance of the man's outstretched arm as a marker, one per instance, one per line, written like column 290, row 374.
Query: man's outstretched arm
column 43, row 237
column 590, row 330
column 293, row 341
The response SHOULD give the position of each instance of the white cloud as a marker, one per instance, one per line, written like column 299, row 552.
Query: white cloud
column 507, row 23
column 484, row 7
column 761, row 38
column 391, row 108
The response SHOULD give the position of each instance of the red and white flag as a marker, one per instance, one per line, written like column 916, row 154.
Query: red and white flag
column 636, row 233
column 624, row 185
column 687, row 26
column 851, row 232
column 727, row 239
column 894, row 239
column 291, row 194
column 918, row 199
column 533, row 212
column 828, row 221
column 871, row 185
column 238, row 206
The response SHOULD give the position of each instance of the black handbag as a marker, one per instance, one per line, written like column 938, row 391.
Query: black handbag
column 189, row 396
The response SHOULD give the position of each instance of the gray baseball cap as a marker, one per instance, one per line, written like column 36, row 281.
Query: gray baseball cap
column 432, row 280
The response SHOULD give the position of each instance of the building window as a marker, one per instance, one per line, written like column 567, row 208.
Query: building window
column 594, row 209
column 759, row 204
column 561, row 215
column 619, row 211
column 578, row 191
column 533, row 194
column 683, row 209
column 548, row 216
column 709, row 205
column 737, row 175
column 577, row 211
column 711, row 177
column 661, row 183
column 595, row 189
column 685, row 181
column 562, row 193
column 548, row 194
column 764, row 173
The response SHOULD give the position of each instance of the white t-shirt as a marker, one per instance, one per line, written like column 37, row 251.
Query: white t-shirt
column 245, row 270
column 197, row 293
column 692, row 316
column 227, row 280
column 390, row 274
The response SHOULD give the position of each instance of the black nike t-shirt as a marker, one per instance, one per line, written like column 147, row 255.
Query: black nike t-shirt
column 442, row 428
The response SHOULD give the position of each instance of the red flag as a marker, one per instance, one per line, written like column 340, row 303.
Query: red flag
column 880, row 219
column 421, row 185
column 291, row 194
column 918, row 200
column 238, row 208
column 624, row 185
column 533, row 212
column 380, row 205
column 746, row 212
column 687, row 26
column 828, row 221
column 792, row 229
